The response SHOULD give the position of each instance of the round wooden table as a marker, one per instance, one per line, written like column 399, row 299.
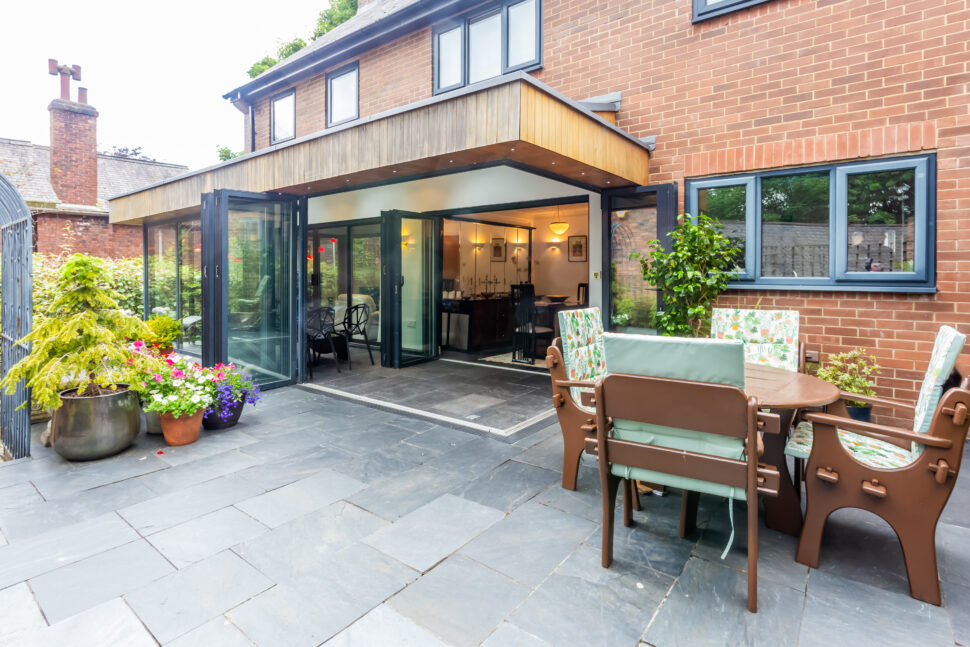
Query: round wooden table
column 784, row 392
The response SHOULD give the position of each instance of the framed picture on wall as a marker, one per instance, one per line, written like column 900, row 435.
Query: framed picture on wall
column 497, row 254
column 577, row 249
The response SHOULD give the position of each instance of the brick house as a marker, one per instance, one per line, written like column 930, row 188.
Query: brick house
column 831, row 136
column 67, row 184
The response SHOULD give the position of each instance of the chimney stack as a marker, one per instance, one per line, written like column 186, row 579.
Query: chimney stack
column 73, row 150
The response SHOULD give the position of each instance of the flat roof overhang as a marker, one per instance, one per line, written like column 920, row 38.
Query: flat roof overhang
column 513, row 119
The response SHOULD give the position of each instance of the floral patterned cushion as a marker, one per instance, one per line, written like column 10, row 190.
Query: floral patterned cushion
column 949, row 343
column 870, row 451
column 770, row 336
column 582, row 347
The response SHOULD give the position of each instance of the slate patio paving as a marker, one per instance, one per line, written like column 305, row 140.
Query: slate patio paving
column 321, row 521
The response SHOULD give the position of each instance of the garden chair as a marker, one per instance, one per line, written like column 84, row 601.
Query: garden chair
column 575, row 360
column 320, row 332
column 355, row 324
column 527, row 330
column 673, row 411
column 904, row 476
column 770, row 336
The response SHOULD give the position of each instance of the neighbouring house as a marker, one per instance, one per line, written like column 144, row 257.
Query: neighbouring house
column 406, row 157
column 67, row 184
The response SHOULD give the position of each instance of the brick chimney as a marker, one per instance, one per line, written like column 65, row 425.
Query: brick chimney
column 73, row 152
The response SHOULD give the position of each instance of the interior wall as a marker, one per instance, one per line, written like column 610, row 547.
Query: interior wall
column 493, row 185
column 552, row 271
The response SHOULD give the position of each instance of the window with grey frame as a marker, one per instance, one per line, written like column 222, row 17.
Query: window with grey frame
column 282, row 117
column 861, row 225
column 704, row 9
column 342, row 95
column 502, row 38
column 173, row 277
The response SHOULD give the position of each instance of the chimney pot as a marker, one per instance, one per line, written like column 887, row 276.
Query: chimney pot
column 82, row 95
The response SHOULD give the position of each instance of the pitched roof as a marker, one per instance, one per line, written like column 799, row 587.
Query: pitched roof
column 28, row 166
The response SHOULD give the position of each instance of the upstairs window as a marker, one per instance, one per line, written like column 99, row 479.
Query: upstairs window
column 283, row 117
column 861, row 225
column 503, row 38
column 704, row 9
column 342, row 105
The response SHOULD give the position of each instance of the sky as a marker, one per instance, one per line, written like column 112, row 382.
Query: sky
column 156, row 72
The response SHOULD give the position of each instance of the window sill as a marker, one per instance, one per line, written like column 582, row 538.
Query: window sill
column 702, row 12
column 835, row 287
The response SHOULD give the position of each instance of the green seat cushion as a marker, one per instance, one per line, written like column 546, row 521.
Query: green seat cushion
column 866, row 450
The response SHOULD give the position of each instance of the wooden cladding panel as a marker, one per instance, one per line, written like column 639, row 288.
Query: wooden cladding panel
column 471, row 128
column 560, row 128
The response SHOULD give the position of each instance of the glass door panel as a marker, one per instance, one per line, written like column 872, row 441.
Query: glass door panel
column 365, row 274
column 190, row 286
column 633, row 301
column 259, row 287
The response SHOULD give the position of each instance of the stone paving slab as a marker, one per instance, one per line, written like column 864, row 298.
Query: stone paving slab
column 207, row 535
column 218, row 632
column 109, row 623
column 20, row 613
column 385, row 626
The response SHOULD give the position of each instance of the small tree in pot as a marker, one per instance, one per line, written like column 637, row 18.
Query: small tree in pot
column 852, row 372
column 700, row 264
column 80, row 366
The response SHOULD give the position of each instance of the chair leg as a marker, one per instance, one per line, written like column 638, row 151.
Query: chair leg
column 367, row 342
column 810, row 540
column 350, row 365
column 627, row 502
column 688, row 512
column 333, row 349
column 919, row 551
column 634, row 490
column 609, row 504
column 752, row 553
column 573, row 445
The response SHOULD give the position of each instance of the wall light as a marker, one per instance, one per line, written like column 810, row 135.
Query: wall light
column 557, row 226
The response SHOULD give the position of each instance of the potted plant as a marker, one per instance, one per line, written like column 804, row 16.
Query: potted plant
column 179, row 392
column 697, row 268
column 164, row 331
column 852, row 372
column 233, row 388
column 80, row 366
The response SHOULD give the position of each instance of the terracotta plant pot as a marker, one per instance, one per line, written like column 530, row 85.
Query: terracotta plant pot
column 182, row 430
column 214, row 421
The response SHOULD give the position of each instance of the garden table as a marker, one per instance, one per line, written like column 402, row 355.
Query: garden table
column 784, row 392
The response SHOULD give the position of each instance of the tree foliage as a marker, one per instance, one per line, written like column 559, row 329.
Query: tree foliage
column 82, row 341
column 226, row 153
column 698, row 267
column 339, row 12
column 261, row 66
column 132, row 153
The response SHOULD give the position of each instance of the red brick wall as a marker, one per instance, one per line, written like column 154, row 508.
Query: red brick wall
column 87, row 235
column 73, row 151
column 784, row 83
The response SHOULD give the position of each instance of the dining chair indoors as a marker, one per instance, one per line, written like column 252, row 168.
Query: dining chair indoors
column 904, row 476
column 673, row 411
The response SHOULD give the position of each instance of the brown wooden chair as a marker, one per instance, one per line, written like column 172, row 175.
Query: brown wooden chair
column 904, row 476
column 651, row 428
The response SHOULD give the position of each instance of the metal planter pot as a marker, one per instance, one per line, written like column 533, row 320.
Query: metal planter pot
column 88, row 427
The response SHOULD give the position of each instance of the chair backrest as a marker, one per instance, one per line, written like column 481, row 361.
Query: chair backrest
column 581, row 333
column 582, row 293
column 946, row 350
column 524, row 303
column 681, row 394
column 770, row 336
column 355, row 319
column 319, row 320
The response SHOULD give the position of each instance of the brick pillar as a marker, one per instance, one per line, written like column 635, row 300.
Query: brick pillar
column 74, row 152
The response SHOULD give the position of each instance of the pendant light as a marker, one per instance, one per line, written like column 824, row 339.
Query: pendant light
column 557, row 226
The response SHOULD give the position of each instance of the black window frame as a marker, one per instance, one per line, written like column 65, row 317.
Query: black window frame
column 703, row 11
column 921, row 279
column 335, row 74
column 501, row 7
column 273, row 139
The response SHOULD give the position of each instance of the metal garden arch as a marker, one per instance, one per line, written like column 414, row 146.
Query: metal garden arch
column 16, row 314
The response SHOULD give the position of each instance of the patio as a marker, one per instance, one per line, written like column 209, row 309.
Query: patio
column 317, row 520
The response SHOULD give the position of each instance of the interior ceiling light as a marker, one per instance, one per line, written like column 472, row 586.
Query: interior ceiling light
column 557, row 226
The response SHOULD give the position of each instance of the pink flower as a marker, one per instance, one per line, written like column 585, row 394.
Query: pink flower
column 220, row 375
column 139, row 343
column 169, row 362
column 177, row 374
column 157, row 377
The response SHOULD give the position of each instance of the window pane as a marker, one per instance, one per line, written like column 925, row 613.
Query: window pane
column 365, row 277
column 343, row 97
column 633, row 223
column 727, row 204
column 449, row 58
column 485, row 48
column 881, row 215
column 283, row 118
column 795, row 225
column 522, row 33
column 161, row 271
column 190, row 286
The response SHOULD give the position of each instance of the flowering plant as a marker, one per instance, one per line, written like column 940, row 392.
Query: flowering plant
column 178, row 388
column 231, row 385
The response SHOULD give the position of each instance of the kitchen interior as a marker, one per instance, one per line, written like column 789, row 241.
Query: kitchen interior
column 485, row 254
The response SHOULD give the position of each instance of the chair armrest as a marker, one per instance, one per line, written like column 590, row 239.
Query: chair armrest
column 875, row 431
column 577, row 383
column 869, row 399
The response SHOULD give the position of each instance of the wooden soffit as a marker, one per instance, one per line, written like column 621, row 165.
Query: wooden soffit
column 517, row 120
